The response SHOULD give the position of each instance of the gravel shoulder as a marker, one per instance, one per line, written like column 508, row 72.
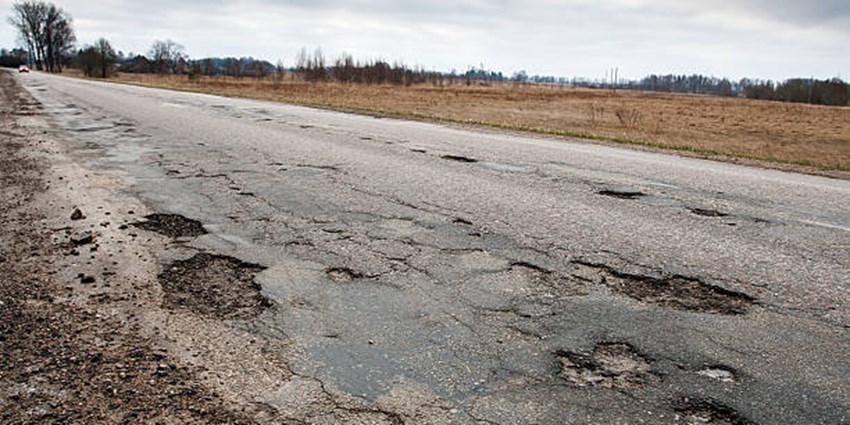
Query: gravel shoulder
column 73, row 347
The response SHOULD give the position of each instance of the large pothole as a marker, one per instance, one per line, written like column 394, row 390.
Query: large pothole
column 214, row 285
column 707, row 412
column 676, row 292
column 621, row 194
column 460, row 158
column 611, row 365
column 172, row 225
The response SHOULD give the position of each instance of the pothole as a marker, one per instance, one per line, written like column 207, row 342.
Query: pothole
column 214, row 285
column 676, row 292
column 342, row 274
column 611, row 365
column 621, row 194
column 460, row 158
column 172, row 225
column 708, row 213
column 707, row 412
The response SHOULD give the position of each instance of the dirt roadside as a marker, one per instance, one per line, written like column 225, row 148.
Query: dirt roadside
column 78, row 299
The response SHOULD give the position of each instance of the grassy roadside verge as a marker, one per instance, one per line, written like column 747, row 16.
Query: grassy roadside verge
column 803, row 138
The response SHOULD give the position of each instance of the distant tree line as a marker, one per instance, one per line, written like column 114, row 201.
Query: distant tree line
column 345, row 69
column 833, row 91
column 13, row 58
column 697, row 84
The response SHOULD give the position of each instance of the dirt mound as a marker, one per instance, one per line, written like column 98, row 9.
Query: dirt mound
column 214, row 285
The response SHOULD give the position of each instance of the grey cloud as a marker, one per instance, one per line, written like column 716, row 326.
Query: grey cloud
column 563, row 37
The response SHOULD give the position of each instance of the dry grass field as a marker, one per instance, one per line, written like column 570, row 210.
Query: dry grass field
column 807, row 135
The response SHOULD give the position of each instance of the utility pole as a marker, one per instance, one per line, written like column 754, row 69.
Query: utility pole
column 811, row 86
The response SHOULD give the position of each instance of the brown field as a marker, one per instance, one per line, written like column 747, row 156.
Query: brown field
column 807, row 135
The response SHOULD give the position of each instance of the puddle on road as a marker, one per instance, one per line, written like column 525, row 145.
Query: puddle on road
column 719, row 373
column 504, row 167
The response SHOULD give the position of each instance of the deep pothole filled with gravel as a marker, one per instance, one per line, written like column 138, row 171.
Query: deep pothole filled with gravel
column 172, row 225
column 214, row 285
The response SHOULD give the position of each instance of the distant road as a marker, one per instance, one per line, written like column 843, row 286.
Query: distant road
column 517, row 280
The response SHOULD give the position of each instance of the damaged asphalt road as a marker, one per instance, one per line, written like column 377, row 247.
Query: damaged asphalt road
column 305, row 266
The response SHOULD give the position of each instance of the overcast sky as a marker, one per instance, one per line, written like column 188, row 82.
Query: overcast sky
column 773, row 39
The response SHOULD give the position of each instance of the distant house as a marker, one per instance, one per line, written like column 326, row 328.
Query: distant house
column 138, row 64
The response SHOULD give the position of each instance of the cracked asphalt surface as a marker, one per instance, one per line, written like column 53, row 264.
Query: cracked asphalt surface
column 419, row 273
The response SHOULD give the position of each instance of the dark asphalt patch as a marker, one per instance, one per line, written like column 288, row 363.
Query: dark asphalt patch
column 708, row 213
column 621, row 194
column 214, row 285
column 172, row 225
column 611, row 365
column 459, row 158
column 696, row 411
column 677, row 292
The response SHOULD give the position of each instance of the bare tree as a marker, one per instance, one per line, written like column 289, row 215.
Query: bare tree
column 98, row 59
column 46, row 32
column 59, row 37
column 167, row 56
column 279, row 72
